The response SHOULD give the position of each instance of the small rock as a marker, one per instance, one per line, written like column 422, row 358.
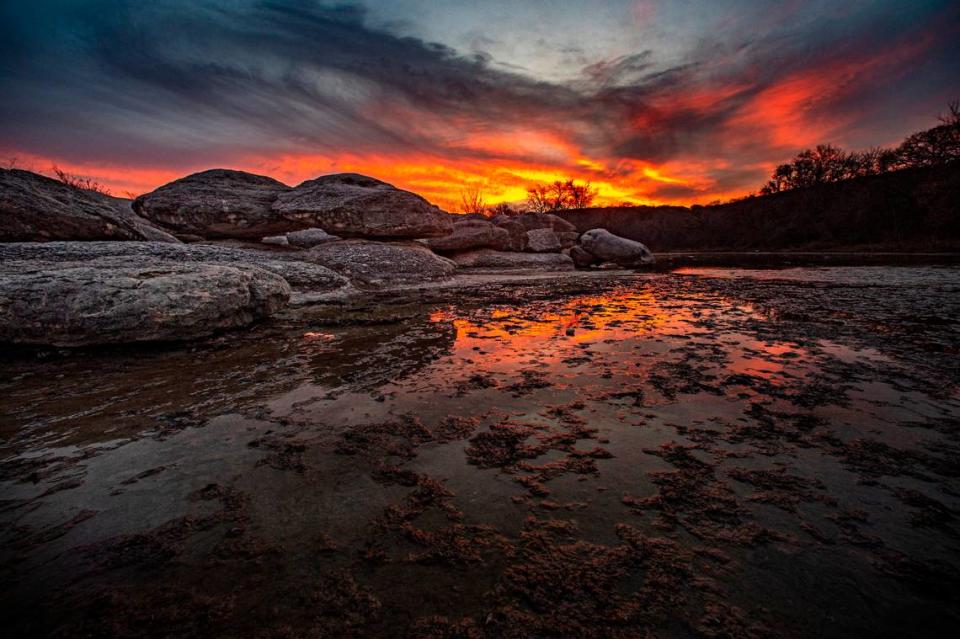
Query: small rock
column 278, row 240
column 308, row 238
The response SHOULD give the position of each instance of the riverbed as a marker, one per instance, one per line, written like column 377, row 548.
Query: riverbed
column 709, row 452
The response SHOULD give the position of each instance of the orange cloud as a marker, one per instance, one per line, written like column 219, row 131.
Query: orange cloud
column 795, row 112
column 438, row 179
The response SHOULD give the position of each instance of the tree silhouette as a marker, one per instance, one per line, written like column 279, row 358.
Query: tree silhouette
column 558, row 195
column 827, row 163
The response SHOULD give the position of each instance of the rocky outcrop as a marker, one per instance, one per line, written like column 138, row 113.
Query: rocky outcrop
column 608, row 247
column 125, row 299
column 354, row 205
column 34, row 208
column 516, row 230
column 581, row 257
column 217, row 203
column 471, row 234
column 301, row 275
column 543, row 241
column 490, row 259
column 380, row 263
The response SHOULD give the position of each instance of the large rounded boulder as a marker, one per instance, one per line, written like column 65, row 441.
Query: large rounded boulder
column 218, row 203
column 347, row 204
column 35, row 208
column 608, row 247
column 381, row 263
column 122, row 299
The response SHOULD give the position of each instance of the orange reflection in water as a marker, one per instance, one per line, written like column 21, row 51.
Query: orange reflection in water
column 508, row 337
column 632, row 328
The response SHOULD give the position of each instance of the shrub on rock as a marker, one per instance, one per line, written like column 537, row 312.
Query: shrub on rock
column 35, row 208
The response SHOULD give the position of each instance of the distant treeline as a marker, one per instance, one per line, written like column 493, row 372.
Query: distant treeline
column 827, row 163
column 913, row 209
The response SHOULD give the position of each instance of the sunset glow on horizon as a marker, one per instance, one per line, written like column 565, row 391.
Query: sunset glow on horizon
column 643, row 99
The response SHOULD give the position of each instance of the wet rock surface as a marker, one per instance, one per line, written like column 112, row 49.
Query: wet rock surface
column 217, row 203
column 348, row 204
column 716, row 453
column 35, row 208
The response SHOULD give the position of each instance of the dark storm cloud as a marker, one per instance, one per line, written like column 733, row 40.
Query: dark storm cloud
column 275, row 74
column 157, row 82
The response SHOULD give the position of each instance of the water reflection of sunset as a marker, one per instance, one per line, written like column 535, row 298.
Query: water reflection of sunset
column 633, row 323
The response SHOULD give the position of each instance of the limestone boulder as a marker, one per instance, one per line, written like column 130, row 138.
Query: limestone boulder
column 300, row 275
column 217, row 203
column 35, row 208
column 352, row 205
column 608, row 247
column 123, row 299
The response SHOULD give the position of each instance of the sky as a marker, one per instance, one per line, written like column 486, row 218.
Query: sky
column 652, row 101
